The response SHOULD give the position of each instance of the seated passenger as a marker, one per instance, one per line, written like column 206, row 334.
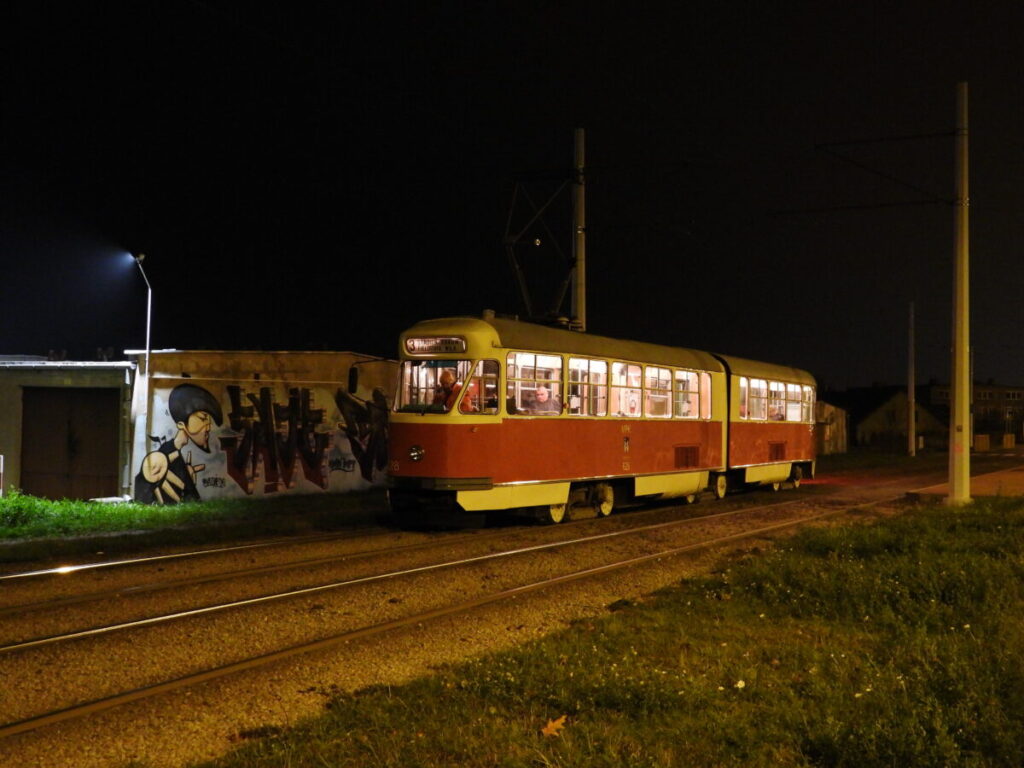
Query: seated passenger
column 543, row 402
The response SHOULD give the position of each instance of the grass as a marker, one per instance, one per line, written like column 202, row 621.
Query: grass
column 34, row 528
column 860, row 458
column 897, row 643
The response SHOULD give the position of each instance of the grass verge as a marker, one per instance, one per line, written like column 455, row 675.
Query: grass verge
column 34, row 528
column 896, row 643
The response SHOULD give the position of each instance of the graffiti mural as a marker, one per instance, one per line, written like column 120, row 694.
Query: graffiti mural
column 366, row 426
column 167, row 475
column 278, row 435
column 269, row 438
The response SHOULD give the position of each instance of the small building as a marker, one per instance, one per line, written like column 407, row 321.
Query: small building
column 831, row 428
column 197, row 425
column 64, row 431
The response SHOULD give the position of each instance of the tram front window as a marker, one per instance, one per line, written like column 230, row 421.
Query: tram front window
column 431, row 386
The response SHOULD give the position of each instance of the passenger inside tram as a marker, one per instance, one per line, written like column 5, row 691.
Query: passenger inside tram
column 543, row 402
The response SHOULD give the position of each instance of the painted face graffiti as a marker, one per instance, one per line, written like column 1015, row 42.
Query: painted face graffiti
column 197, row 429
column 167, row 475
column 262, row 443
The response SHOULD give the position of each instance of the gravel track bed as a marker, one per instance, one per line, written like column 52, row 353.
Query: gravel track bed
column 43, row 622
column 201, row 722
column 295, row 574
column 27, row 590
column 46, row 622
column 101, row 666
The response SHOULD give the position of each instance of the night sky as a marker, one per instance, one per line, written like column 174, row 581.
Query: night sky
column 321, row 176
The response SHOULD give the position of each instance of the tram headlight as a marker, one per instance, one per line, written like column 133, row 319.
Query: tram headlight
column 416, row 452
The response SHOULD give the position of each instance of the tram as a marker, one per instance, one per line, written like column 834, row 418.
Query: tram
column 498, row 414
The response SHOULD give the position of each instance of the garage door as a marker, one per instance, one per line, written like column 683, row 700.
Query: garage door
column 69, row 442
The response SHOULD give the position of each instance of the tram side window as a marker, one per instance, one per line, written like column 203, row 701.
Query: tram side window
column 431, row 386
column 588, row 387
column 807, row 410
column 758, row 399
column 626, row 390
column 776, row 401
column 744, row 398
column 482, row 389
column 534, row 384
column 794, row 402
column 686, row 395
column 657, row 392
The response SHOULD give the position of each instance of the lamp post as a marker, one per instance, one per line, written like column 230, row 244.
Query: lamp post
column 149, row 305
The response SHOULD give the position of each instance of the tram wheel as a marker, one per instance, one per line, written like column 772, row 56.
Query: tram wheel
column 796, row 476
column 690, row 498
column 721, row 486
column 604, row 499
column 776, row 486
column 551, row 514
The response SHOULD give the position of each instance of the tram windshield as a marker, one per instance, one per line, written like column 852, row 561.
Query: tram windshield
column 431, row 386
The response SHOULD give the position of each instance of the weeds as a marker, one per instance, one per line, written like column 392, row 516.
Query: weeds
column 38, row 528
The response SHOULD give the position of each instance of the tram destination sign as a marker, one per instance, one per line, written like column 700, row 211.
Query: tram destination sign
column 435, row 345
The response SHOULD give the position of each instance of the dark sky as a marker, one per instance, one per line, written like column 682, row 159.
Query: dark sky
column 320, row 176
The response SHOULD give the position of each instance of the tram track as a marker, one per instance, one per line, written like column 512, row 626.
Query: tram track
column 136, row 588
column 304, row 591
column 120, row 596
column 62, row 570
column 802, row 511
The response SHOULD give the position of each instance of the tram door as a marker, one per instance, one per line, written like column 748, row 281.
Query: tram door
column 69, row 442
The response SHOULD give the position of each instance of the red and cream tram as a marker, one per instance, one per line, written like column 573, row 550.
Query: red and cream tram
column 498, row 414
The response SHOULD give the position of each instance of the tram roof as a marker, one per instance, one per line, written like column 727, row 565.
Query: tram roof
column 739, row 366
column 517, row 334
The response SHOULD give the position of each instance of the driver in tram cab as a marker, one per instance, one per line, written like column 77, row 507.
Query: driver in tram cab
column 543, row 402
column 447, row 391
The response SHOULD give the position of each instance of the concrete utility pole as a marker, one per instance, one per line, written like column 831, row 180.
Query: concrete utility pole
column 579, row 241
column 911, row 391
column 960, row 390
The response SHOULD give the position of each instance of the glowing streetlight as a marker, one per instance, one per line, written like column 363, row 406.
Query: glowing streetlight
column 149, row 304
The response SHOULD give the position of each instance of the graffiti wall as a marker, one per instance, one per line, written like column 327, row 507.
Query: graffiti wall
column 213, row 439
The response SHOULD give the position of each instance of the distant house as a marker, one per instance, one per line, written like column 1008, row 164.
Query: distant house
column 878, row 417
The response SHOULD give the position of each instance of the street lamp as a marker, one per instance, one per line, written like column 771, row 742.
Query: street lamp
column 149, row 304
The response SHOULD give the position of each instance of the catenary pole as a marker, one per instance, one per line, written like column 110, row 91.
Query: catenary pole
column 579, row 241
column 959, row 422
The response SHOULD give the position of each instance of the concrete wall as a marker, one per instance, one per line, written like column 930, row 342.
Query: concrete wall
column 15, row 377
column 278, row 422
